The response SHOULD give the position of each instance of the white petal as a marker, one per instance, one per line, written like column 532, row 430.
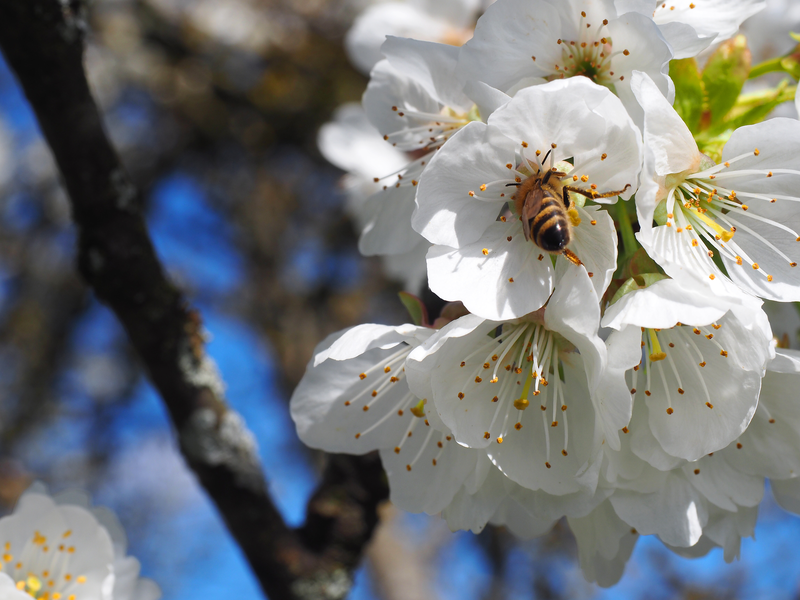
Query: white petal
column 612, row 397
column 9, row 591
column 389, row 89
column 447, row 214
column 389, row 229
column 596, row 246
column 350, row 142
column 363, row 41
column 723, row 485
column 778, row 148
column 523, row 455
column 684, row 40
column 693, row 429
column 409, row 268
column 574, row 312
column 771, row 445
column 690, row 266
column 430, row 64
column 727, row 529
column 605, row 543
column 797, row 101
column 357, row 340
column 506, row 28
column 715, row 19
column 644, row 444
column 435, row 366
column 519, row 521
column 649, row 52
column 665, row 133
column 328, row 406
column 424, row 477
column 471, row 511
column 663, row 304
column 787, row 493
column 676, row 513
column 485, row 97
column 506, row 281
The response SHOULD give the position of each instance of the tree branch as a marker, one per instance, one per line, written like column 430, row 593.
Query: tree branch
column 43, row 42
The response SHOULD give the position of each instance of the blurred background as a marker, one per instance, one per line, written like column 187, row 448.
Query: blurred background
column 214, row 106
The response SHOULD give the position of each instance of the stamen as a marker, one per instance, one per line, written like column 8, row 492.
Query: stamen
column 657, row 353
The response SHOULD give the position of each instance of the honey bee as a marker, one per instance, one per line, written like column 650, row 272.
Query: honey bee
column 542, row 201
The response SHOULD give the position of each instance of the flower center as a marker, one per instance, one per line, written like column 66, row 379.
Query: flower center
column 42, row 568
column 590, row 55
column 519, row 364
column 711, row 212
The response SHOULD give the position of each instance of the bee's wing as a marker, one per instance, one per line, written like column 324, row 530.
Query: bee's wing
column 531, row 206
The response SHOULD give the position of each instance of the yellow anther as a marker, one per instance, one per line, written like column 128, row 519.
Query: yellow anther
column 574, row 218
column 33, row 585
column 419, row 409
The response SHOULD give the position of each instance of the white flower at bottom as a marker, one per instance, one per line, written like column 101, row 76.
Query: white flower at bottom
column 58, row 551
column 506, row 387
column 354, row 398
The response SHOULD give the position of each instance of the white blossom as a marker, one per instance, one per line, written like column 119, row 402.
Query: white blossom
column 519, row 43
column 699, row 369
column 354, row 398
column 745, row 210
column 55, row 547
column 485, row 378
column 485, row 261
column 690, row 26
column 447, row 21
column 605, row 543
column 353, row 144
column 770, row 447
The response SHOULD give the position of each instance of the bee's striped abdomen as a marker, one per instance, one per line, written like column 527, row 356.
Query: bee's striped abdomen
column 550, row 228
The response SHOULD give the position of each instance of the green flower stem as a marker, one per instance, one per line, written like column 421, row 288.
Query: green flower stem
column 768, row 66
column 783, row 92
column 629, row 242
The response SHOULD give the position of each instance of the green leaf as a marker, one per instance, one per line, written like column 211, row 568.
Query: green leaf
column 688, row 91
column 416, row 309
column 723, row 78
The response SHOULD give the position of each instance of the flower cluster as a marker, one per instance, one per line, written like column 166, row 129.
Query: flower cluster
column 605, row 220
column 61, row 549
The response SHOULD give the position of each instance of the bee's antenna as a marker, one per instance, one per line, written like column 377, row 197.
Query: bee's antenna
column 514, row 184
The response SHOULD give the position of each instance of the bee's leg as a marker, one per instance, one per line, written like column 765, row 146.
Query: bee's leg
column 592, row 194
column 571, row 257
